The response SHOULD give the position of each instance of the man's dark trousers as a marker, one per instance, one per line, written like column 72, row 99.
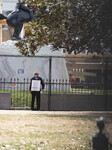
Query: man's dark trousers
column 37, row 95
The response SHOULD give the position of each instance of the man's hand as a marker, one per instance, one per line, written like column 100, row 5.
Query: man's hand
column 41, row 91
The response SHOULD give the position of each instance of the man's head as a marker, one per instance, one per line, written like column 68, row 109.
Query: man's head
column 100, row 123
column 19, row 1
column 36, row 73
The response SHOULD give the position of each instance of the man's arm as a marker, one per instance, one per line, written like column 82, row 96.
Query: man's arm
column 42, row 83
column 30, row 85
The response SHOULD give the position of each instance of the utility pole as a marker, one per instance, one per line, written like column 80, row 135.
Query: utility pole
column 0, row 24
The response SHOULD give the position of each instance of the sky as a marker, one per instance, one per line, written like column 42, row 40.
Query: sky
column 8, row 5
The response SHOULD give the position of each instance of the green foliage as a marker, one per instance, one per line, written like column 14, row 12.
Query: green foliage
column 73, row 25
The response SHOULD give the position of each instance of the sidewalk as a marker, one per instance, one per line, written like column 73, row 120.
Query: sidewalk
column 59, row 113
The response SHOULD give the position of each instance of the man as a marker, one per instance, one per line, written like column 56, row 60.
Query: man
column 36, row 86
column 21, row 16
column 72, row 81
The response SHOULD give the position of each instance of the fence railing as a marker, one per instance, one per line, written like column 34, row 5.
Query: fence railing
column 21, row 96
column 57, row 86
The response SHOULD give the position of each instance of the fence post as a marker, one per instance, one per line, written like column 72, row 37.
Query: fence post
column 99, row 139
column 102, row 73
column 106, row 84
column 49, row 89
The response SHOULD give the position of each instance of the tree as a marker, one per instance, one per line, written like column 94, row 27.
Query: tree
column 75, row 25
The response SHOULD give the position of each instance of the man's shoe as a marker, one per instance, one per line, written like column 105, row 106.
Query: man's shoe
column 16, row 38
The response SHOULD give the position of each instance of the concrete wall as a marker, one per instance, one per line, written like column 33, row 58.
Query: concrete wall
column 77, row 102
column 5, row 100
column 67, row 102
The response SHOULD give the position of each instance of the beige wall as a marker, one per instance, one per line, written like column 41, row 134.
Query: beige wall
column 6, row 35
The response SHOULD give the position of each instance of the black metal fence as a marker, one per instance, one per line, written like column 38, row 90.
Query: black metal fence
column 21, row 96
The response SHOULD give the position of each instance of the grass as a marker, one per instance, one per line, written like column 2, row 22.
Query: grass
column 49, row 131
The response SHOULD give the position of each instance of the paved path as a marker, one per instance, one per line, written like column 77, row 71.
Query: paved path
column 59, row 113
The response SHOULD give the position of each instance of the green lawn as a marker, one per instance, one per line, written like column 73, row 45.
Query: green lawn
column 31, row 130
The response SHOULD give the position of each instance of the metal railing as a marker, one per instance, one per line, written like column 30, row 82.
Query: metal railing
column 21, row 96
